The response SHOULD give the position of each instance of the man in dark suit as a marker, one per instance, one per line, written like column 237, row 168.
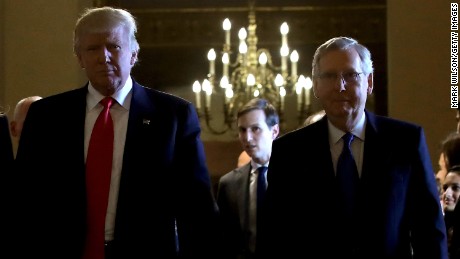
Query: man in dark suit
column 393, row 209
column 160, row 203
column 258, row 126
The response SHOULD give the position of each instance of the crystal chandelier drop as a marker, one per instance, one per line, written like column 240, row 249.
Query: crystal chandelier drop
column 252, row 74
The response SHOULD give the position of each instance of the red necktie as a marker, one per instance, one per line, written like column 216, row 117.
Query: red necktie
column 98, row 173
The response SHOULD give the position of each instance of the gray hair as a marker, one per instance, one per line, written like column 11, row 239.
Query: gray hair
column 102, row 19
column 343, row 43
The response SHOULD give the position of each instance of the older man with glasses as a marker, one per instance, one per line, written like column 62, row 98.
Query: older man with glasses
column 353, row 184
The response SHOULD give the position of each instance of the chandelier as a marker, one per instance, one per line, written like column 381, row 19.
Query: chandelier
column 251, row 74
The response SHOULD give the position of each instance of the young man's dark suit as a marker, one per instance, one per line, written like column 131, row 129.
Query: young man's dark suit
column 164, row 177
column 397, row 189
column 233, row 201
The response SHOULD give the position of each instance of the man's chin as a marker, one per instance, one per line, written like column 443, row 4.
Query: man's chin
column 106, row 86
column 250, row 152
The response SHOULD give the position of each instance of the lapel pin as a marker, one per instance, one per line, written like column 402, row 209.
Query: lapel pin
column 146, row 121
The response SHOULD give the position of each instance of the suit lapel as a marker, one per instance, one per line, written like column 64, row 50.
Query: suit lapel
column 243, row 200
column 141, row 120
column 376, row 153
column 76, row 110
column 324, row 152
column 141, row 109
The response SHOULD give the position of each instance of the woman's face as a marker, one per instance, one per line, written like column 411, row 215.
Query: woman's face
column 451, row 191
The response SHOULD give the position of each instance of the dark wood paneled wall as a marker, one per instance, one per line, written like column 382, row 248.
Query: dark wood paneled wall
column 176, row 36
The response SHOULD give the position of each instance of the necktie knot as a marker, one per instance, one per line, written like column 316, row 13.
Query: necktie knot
column 347, row 139
column 262, row 170
column 107, row 102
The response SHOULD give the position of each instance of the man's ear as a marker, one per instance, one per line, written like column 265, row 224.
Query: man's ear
column 133, row 58
column 80, row 61
column 314, row 86
column 275, row 131
column 370, row 83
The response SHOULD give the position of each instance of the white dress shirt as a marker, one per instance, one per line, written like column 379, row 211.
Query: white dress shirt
column 119, row 112
column 357, row 145
column 253, row 203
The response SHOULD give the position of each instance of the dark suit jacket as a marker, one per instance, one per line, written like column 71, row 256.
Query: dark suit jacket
column 398, row 211
column 164, row 178
column 233, row 201
column 6, row 163
column 6, row 147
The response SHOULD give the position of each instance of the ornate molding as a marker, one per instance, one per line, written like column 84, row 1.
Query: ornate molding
column 186, row 27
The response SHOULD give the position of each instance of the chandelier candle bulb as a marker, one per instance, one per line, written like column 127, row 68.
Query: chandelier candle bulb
column 263, row 59
column 294, row 60
column 228, row 94
column 208, row 100
column 242, row 34
column 224, row 82
column 243, row 47
column 279, row 80
column 250, row 82
column 243, row 51
column 212, row 62
column 284, row 51
column 248, row 72
column 263, row 62
column 227, row 25
column 197, row 90
column 207, row 88
column 225, row 62
column 284, row 29
column 282, row 94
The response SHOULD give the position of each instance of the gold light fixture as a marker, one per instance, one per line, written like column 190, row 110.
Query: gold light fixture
column 252, row 74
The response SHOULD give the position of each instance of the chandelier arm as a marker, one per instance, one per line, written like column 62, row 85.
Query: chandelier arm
column 227, row 123
column 251, row 72
column 267, row 52
column 237, row 63
column 237, row 74
column 273, row 67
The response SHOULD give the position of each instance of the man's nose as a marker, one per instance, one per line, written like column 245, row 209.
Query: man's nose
column 248, row 135
column 104, row 56
column 340, row 81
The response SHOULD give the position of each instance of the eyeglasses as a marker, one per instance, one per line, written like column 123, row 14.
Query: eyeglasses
column 348, row 77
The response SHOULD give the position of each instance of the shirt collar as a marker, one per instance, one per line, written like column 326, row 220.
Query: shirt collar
column 255, row 166
column 122, row 96
column 336, row 134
